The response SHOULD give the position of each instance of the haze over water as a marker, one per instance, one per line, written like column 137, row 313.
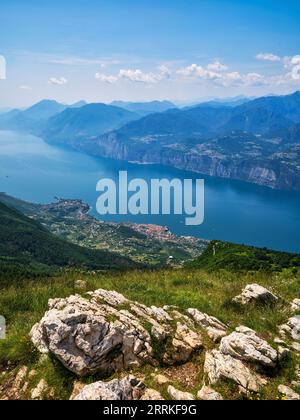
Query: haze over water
column 234, row 211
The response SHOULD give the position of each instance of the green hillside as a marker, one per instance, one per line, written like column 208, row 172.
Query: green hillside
column 234, row 257
column 28, row 248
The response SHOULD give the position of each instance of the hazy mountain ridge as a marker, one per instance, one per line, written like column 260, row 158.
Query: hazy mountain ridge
column 145, row 108
column 86, row 121
column 256, row 142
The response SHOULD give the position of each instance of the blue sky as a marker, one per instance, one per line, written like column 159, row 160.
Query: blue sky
column 182, row 50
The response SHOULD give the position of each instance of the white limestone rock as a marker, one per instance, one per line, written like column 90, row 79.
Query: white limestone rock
column 295, row 306
column 206, row 393
column 257, row 294
column 290, row 395
column 128, row 388
column 151, row 395
column 291, row 329
column 177, row 395
column 244, row 344
column 184, row 344
column 219, row 366
column 215, row 328
column 106, row 333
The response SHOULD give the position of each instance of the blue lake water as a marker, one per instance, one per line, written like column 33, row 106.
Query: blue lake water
column 234, row 211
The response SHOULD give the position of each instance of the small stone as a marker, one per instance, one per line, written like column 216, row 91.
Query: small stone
column 177, row 395
column 151, row 395
column 161, row 380
column 20, row 376
column 283, row 353
column 215, row 335
column 32, row 374
column 291, row 328
column 296, row 347
column 80, row 285
column 77, row 388
column 295, row 384
column 279, row 341
column 206, row 393
column 295, row 306
column 289, row 393
column 40, row 390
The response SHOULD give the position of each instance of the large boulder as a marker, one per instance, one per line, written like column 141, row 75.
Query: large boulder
column 253, row 293
column 220, row 366
column 246, row 345
column 128, row 388
column 237, row 359
column 105, row 332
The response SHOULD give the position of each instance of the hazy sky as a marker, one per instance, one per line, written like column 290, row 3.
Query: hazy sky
column 102, row 50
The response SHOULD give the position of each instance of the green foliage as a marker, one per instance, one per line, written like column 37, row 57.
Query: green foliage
column 233, row 257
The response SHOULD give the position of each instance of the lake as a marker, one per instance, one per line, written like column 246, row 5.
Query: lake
column 235, row 211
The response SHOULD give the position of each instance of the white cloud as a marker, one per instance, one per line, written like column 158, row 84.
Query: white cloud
column 217, row 66
column 142, row 77
column 292, row 64
column 254, row 79
column 106, row 78
column 57, row 81
column 78, row 61
column 136, row 76
column 221, row 76
column 25, row 87
column 268, row 57
column 200, row 72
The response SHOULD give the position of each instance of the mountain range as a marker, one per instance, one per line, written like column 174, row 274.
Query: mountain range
column 145, row 108
column 255, row 140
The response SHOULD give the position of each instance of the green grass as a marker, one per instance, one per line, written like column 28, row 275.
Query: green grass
column 24, row 304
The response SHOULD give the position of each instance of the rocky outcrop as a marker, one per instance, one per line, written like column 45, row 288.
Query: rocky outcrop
column 105, row 332
column 244, row 344
column 237, row 358
column 128, row 388
column 205, row 158
column 183, row 345
column 291, row 332
column 253, row 293
column 214, row 328
column 219, row 366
